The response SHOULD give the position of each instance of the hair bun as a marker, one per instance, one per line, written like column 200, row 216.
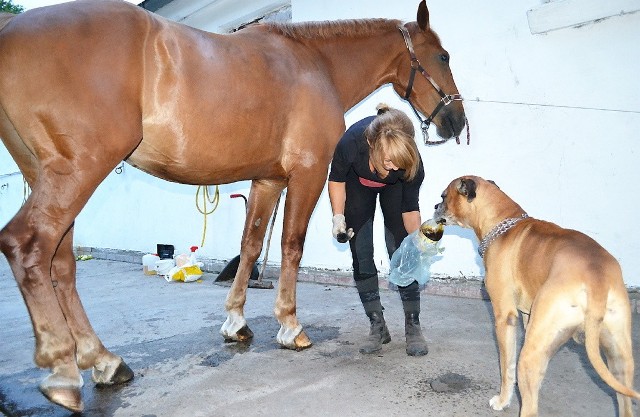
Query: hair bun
column 382, row 108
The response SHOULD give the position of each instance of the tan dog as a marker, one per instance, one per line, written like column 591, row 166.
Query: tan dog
column 562, row 281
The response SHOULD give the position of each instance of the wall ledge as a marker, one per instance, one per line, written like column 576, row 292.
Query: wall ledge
column 463, row 287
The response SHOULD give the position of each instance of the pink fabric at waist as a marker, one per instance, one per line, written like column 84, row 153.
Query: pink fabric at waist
column 369, row 183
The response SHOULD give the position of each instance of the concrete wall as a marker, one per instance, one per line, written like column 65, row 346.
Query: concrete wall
column 554, row 121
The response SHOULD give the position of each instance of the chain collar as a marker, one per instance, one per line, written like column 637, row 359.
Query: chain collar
column 500, row 229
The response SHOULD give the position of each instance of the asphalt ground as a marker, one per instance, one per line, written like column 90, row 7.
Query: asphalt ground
column 168, row 333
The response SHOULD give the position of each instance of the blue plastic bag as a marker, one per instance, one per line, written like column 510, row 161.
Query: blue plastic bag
column 412, row 260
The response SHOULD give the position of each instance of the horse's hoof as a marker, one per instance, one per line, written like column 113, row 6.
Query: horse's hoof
column 302, row 342
column 294, row 339
column 123, row 374
column 243, row 335
column 105, row 374
column 235, row 329
column 67, row 397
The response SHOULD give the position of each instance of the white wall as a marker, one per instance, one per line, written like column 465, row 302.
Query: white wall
column 554, row 121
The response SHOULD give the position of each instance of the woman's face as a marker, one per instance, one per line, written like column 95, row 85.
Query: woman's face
column 388, row 164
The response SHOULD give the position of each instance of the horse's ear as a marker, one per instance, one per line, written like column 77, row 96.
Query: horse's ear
column 423, row 15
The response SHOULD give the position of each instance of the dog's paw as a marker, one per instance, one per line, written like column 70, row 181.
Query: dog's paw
column 497, row 404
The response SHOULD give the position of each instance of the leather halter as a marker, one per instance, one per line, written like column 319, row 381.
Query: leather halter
column 445, row 99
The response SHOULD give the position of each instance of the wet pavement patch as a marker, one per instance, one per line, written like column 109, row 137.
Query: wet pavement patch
column 264, row 330
column 450, row 382
column 20, row 397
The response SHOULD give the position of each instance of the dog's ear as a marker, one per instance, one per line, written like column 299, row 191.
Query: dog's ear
column 467, row 187
column 492, row 182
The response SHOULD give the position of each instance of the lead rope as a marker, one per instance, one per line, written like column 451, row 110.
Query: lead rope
column 203, row 210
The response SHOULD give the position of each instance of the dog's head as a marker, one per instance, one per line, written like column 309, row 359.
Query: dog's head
column 459, row 200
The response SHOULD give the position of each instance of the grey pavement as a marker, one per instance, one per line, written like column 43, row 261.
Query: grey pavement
column 168, row 334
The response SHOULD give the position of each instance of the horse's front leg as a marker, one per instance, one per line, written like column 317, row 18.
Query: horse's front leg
column 302, row 195
column 108, row 368
column 262, row 200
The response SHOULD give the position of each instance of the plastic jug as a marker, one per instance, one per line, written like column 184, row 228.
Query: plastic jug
column 149, row 264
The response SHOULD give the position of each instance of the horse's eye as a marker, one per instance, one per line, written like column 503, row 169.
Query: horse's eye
column 444, row 58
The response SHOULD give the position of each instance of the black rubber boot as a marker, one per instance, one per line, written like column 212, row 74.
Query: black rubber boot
column 378, row 335
column 416, row 343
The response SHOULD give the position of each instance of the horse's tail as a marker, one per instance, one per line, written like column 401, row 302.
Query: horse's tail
column 5, row 18
column 596, row 307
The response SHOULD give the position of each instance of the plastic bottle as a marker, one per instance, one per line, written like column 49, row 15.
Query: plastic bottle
column 192, row 258
column 149, row 264
column 182, row 259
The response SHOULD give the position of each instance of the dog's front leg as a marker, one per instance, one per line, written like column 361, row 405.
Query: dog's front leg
column 506, row 321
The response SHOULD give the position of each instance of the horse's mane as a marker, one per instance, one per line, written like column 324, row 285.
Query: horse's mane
column 4, row 19
column 330, row 29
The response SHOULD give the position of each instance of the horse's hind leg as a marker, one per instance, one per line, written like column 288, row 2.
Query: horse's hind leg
column 108, row 368
column 29, row 241
column 262, row 200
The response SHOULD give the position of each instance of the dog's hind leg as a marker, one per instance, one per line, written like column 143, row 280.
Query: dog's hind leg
column 615, row 340
column 550, row 326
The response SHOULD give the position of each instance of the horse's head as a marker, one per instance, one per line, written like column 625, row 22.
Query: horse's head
column 429, row 84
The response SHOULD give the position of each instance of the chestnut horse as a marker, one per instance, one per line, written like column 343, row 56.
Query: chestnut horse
column 87, row 84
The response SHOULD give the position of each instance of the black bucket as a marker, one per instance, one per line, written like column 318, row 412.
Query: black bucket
column 165, row 251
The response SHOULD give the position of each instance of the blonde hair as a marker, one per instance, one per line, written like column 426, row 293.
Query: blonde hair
column 391, row 133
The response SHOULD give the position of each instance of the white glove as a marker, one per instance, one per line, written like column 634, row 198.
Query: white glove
column 340, row 231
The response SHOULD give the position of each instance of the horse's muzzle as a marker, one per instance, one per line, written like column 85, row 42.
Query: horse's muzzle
column 452, row 121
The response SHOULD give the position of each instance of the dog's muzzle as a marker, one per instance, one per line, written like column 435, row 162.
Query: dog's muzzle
column 439, row 213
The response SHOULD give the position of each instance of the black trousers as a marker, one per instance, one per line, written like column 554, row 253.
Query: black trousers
column 360, row 208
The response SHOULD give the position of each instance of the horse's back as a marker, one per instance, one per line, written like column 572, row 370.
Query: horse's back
column 177, row 101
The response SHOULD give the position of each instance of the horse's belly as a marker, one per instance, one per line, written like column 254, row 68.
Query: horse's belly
column 204, row 163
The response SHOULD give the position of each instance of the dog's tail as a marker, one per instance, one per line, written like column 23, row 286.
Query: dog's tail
column 597, row 304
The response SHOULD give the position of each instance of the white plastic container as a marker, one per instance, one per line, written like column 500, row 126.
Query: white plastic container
column 163, row 266
column 149, row 264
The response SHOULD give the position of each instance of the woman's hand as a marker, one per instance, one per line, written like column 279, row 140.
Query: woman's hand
column 340, row 231
column 337, row 197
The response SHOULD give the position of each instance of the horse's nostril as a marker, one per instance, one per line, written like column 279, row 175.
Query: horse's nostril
column 453, row 120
